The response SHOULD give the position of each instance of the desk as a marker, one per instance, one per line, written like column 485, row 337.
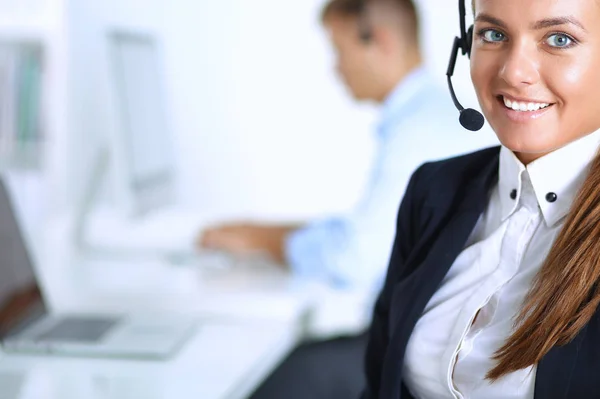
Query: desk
column 223, row 360
column 269, row 309
column 245, row 290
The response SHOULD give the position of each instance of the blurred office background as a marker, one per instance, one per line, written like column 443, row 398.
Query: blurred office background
column 260, row 125
column 249, row 121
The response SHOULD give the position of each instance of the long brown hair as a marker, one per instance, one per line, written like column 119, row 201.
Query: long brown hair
column 565, row 293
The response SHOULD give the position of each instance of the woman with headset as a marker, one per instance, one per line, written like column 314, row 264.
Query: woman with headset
column 493, row 285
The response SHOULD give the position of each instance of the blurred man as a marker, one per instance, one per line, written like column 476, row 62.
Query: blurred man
column 379, row 59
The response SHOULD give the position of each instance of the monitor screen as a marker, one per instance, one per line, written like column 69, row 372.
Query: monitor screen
column 20, row 296
column 143, row 138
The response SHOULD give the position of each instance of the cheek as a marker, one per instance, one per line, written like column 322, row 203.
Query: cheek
column 482, row 74
column 344, row 67
column 366, row 58
column 570, row 81
column 363, row 66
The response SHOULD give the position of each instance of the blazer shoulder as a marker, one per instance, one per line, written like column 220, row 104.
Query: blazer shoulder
column 449, row 175
column 461, row 164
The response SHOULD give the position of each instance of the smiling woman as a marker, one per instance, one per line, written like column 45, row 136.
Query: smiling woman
column 493, row 292
column 545, row 59
column 534, row 74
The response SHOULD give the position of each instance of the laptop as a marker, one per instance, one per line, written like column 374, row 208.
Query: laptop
column 26, row 325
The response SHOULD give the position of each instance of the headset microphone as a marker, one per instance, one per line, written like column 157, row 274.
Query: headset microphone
column 469, row 118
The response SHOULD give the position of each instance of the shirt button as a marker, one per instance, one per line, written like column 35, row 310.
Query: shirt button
column 551, row 197
column 513, row 194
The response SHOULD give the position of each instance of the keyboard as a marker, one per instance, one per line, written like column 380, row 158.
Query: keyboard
column 78, row 329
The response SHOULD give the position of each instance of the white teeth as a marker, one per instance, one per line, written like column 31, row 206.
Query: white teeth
column 523, row 106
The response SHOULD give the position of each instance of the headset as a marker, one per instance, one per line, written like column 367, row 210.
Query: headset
column 365, row 32
column 469, row 118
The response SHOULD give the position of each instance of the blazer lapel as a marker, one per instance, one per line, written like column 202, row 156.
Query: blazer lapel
column 443, row 245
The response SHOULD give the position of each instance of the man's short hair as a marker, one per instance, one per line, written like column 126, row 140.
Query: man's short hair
column 343, row 8
column 358, row 8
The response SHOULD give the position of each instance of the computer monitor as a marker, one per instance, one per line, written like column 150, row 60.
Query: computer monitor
column 138, row 152
column 140, row 144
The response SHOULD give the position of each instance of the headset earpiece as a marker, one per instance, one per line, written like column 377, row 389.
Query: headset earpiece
column 469, row 118
column 365, row 35
column 365, row 32
column 469, row 43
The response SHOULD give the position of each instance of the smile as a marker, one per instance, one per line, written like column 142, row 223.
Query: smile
column 523, row 106
column 524, row 110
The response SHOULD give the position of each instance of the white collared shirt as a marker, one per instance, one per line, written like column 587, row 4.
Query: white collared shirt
column 450, row 350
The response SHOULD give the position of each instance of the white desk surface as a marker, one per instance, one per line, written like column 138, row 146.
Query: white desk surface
column 244, row 290
column 223, row 360
column 269, row 310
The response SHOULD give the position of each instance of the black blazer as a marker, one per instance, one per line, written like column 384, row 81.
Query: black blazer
column 442, row 204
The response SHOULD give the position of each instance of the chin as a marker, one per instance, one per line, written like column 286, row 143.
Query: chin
column 521, row 141
column 524, row 132
column 358, row 96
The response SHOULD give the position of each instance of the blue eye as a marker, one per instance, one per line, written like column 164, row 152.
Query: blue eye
column 559, row 40
column 493, row 36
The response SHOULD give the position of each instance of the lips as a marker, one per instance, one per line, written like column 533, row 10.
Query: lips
column 523, row 110
column 524, row 106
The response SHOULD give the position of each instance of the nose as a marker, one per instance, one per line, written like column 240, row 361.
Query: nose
column 521, row 66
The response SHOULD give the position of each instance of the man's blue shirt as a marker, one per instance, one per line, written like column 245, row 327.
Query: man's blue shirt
column 418, row 123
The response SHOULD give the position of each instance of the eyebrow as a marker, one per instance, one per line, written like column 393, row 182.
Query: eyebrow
column 547, row 23
column 541, row 24
column 489, row 19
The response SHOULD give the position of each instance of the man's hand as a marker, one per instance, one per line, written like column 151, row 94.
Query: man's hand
column 246, row 239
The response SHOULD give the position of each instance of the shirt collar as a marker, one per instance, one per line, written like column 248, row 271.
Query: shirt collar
column 555, row 178
column 396, row 102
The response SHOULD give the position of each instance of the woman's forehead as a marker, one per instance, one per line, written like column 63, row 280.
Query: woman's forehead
column 531, row 11
column 535, row 5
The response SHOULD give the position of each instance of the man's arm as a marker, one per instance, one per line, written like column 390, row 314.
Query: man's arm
column 246, row 239
column 353, row 250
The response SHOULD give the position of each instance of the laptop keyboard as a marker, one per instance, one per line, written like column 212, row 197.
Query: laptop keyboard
column 78, row 329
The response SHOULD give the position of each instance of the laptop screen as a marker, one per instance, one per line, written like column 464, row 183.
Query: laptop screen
column 20, row 296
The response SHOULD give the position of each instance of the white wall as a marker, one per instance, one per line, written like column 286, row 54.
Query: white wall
column 264, row 125
column 440, row 24
column 261, row 124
